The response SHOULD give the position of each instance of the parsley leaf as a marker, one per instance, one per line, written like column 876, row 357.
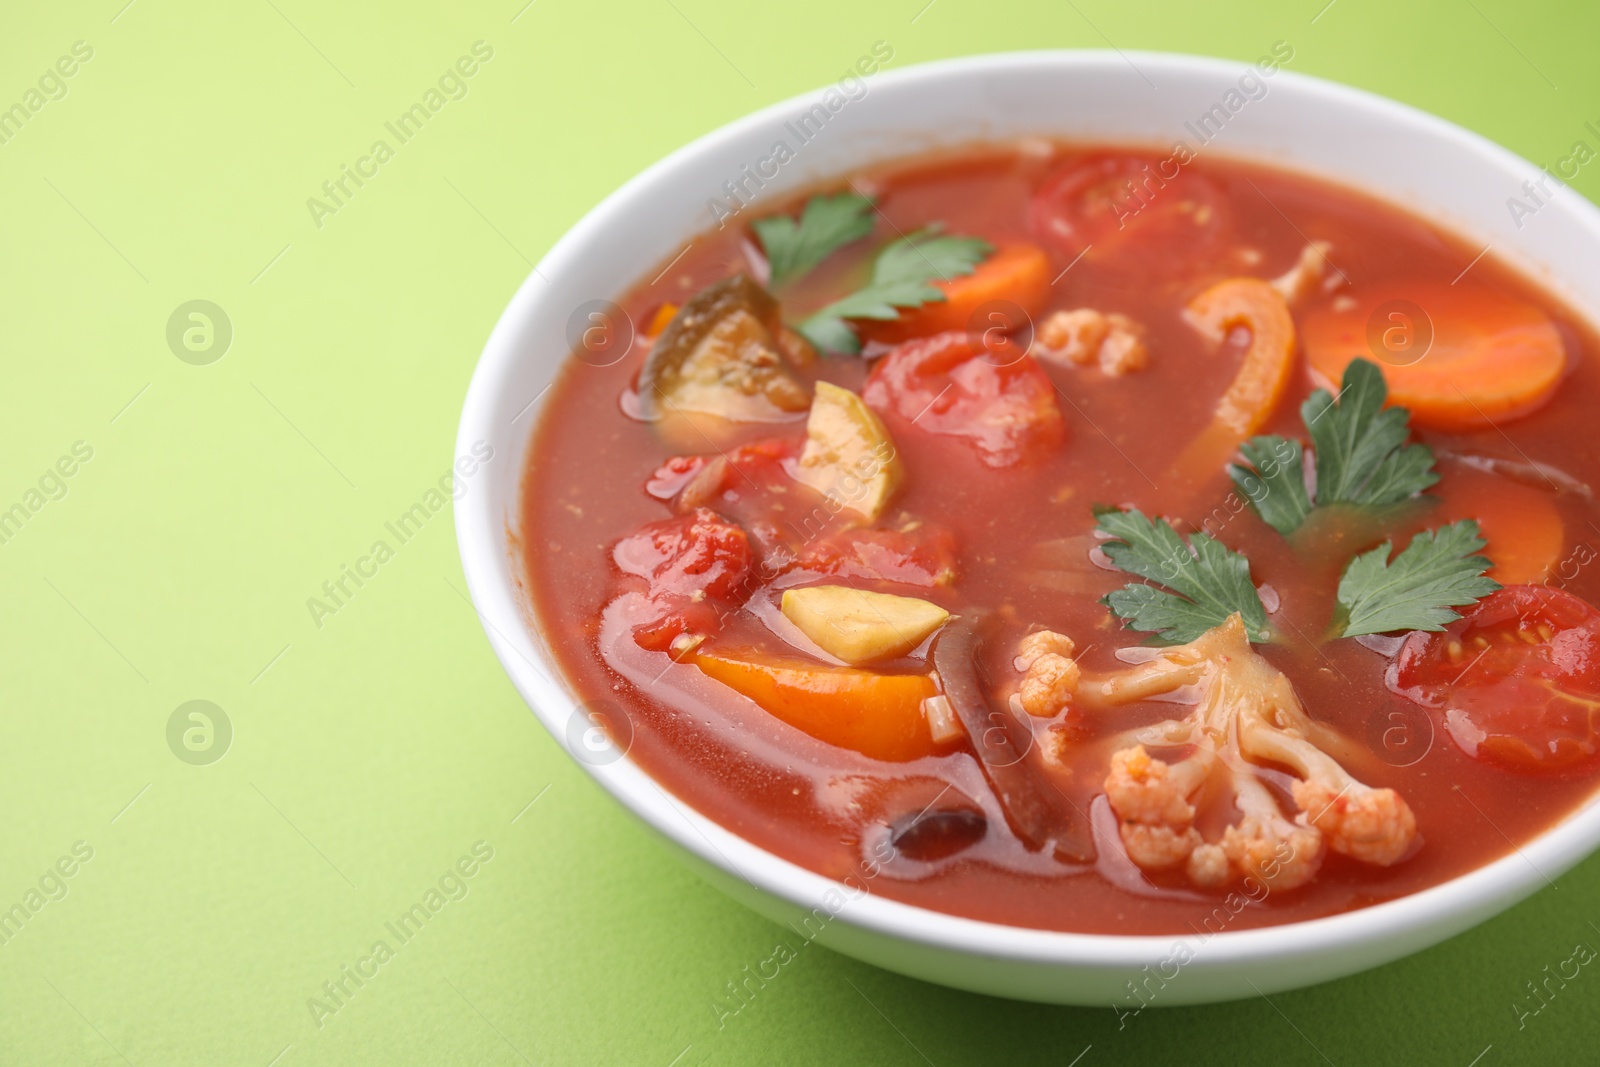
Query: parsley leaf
column 1360, row 451
column 1275, row 481
column 826, row 224
column 1438, row 570
column 902, row 277
column 1205, row 581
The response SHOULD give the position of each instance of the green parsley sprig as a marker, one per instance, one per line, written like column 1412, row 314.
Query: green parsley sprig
column 1205, row 582
column 826, row 224
column 1360, row 451
column 1438, row 571
column 902, row 275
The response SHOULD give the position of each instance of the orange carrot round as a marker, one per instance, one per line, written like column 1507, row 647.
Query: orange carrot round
column 878, row 715
column 1018, row 274
column 1520, row 523
column 1461, row 357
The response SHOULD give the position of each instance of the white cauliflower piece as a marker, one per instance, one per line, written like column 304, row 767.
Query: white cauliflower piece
column 1245, row 714
column 1084, row 336
column 1050, row 674
column 1308, row 271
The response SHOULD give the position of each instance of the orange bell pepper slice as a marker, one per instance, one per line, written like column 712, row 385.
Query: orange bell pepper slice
column 1260, row 382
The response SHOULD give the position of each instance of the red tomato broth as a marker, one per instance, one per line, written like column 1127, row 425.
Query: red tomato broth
column 817, row 804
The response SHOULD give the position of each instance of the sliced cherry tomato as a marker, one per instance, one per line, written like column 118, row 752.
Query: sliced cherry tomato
column 1460, row 357
column 1127, row 212
column 924, row 556
column 754, row 485
column 988, row 393
column 750, row 474
column 694, row 567
column 1518, row 679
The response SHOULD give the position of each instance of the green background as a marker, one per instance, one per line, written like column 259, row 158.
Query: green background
column 370, row 753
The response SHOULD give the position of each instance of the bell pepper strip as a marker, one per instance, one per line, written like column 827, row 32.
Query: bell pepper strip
column 1262, row 377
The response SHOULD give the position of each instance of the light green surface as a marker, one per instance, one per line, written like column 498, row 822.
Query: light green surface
column 370, row 753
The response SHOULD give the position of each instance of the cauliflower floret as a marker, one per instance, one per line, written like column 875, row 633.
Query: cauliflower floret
column 1281, row 854
column 1048, row 685
column 1073, row 336
column 1085, row 335
column 1050, row 674
column 1158, row 847
column 1151, row 798
column 1123, row 349
column 1371, row 825
column 1245, row 714
column 1208, row 866
column 1298, row 281
column 1146, row 790
column 1041, row 642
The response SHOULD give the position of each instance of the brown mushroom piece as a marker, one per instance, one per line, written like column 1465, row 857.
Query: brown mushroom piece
column 1036, row 812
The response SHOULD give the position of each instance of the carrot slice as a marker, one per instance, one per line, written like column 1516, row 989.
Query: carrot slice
column 877, row 715
column 1018, row 274
column 664, row 314
column 1460, row 357
column 1256, row 389
column 1523, row 529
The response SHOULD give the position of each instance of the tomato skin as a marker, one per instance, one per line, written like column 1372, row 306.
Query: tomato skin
column 924, row 557
column 992, row 395
column 692, row 565
column 1518, row 679
column 1138, row 214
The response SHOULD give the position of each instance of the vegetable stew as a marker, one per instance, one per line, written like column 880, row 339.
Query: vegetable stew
column 1078, row 538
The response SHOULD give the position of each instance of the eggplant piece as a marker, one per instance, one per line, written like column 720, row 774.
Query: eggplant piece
column 720, row 363
column 1038, row 813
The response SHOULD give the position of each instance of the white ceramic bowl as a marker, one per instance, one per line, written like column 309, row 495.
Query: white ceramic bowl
column 1438, row 170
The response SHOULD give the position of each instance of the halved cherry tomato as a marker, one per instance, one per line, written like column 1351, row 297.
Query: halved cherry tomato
column 752, row 473
column 1461, row 357
column 878, row 715
column 988, row 393
column 1015, row 275
column 1123, row 207
column 1518, row 679
column 692, row 566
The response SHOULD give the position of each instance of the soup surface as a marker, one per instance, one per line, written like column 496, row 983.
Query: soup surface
column 894, row 529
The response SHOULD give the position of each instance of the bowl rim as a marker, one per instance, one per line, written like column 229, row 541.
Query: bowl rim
column 494, row 587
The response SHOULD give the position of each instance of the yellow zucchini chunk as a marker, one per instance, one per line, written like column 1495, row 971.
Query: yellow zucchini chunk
column 848, row 455
column 859, row 626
